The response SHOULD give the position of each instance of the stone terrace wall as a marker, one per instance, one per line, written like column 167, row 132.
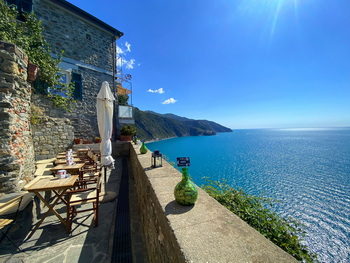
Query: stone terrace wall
column 51, row 136
column 205, row 232
column 16, row 153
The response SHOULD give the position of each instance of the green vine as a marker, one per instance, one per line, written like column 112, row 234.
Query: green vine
column 37, row 114
column 28, row 35
column 257, row 213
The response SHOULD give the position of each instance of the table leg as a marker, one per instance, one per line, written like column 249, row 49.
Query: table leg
column 60, row 196
column 51, row 209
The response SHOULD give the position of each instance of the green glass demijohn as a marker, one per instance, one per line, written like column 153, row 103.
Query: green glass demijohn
column 143, row 148
column 185, row 192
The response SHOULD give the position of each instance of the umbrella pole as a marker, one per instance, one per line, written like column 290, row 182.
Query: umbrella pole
column 107, row 196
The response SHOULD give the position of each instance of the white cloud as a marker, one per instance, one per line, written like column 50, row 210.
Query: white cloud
column 119, row 51
column 169, row 101
column 122, row 51
column 160, row 90
column 129, row 64
column 128, row 46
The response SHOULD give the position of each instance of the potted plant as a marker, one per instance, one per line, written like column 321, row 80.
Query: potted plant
column 127, row 132
column 97, row 139
column 78, row 141
column 32, row 72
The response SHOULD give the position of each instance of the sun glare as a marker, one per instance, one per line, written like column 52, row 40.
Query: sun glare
column 271, row 10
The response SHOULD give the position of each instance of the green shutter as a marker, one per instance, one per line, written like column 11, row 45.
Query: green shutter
column 78, row 86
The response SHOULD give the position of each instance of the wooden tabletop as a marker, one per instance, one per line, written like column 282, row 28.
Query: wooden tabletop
column 45, row 183
column 75, row 166
column 83, row 150
column 61, row 156
column 63, row 161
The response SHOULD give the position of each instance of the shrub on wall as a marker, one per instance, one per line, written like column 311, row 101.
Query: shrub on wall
column 257, row 213
column 27, row 35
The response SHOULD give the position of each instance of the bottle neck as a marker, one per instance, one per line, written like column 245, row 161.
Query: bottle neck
column 185, row 174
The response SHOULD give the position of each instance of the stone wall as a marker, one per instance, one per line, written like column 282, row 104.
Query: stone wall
column 16, row 153
column 205, row 232
column 161, row 242
column 83, row 116
column 51, row 136
column 79, row 39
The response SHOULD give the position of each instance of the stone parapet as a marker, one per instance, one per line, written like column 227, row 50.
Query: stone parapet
column 16, row 153
column 205, row 232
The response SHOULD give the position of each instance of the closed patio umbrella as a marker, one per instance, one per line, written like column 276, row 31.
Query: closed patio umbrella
column 104, row 106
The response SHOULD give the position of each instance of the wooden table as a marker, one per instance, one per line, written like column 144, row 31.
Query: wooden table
column 72, row 169
column 63, row 156
column 58, row 187
column 83, row 150
column 64, row 161
column 82, row 153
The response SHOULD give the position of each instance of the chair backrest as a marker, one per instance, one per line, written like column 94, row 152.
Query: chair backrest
column 9, row 205
column 95, row 158
column 90, row 154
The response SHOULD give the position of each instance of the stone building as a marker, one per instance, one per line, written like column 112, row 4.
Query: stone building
column 89, row 57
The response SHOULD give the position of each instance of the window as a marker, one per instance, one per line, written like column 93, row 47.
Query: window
column 78, row 86
column 65, row 79
column 22, row 5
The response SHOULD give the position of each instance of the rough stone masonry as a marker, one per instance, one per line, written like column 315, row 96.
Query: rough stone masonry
column 16, row 152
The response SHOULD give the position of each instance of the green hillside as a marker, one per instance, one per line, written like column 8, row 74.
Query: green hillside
column 151, row 125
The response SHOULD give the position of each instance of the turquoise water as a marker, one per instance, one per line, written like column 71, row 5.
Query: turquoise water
column 308, row 170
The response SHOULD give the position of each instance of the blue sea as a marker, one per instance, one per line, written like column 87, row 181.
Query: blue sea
column 307, row 170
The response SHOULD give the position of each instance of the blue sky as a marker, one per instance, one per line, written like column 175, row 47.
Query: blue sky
column 242, row 63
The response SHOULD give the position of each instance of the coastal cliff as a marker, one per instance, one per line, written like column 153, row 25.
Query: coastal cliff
column 151, row 125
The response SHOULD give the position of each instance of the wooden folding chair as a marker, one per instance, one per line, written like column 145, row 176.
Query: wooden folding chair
column 81, row 197
column 5, row 207
column 91, row 170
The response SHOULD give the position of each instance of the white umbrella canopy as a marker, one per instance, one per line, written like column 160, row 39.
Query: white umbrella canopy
column 104, row 106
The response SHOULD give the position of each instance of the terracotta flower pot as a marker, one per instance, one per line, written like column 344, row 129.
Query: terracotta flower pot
column 32, row 72
column 125, row 138
column 78, row 141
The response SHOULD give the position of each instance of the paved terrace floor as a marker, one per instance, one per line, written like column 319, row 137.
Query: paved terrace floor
column 105, row 243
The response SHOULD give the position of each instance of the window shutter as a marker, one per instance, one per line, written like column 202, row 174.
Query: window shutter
column 78, row 86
